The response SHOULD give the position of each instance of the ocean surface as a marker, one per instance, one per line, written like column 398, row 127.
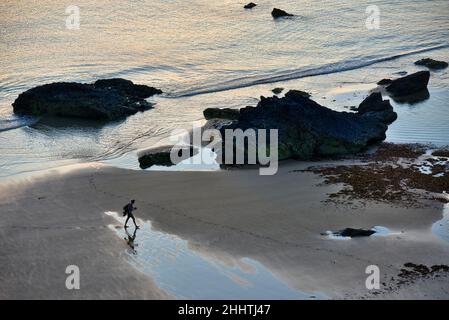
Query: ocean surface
column 208, row 54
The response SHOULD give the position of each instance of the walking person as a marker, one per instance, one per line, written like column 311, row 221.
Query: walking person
column 128, row 211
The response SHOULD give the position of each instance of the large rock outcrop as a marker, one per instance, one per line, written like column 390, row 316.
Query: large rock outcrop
column 107, row 99
column 307, row 130
column 409, row 85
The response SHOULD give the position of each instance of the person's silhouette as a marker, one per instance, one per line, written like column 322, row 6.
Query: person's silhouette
column 130, row 240
column 128, row 210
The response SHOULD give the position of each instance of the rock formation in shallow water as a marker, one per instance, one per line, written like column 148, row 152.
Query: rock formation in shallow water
column 278, row 13
column 307, row 129
column 108, row 99
column 409, row 85
column 432, row 64
column 161, row 156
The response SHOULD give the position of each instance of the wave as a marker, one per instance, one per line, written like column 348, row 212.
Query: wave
column 298, row 73
column 11, row 124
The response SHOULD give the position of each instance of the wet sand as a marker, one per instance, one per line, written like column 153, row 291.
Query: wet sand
column 56, row 219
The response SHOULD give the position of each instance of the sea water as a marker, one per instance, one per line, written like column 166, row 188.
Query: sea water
column 208, row 54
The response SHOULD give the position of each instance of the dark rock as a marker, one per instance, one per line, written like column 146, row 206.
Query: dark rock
column 440, row 268
column 292, row 94
column 161, row 156
column 432, row 64
column 307, row 129
column 409, row 85
column 354, row 233
column 277, row 90
column 413, row 98
column 382, row 108
column 217, row 113
column 108, row 99
column 127, row 87
column 278, row 13
column 250, row 5
column 441, row 153
column 216, row 124
column 413, row 272
column 384, row 82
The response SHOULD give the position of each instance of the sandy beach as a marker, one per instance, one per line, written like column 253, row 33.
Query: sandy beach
column 343, row 105
column 56, row 218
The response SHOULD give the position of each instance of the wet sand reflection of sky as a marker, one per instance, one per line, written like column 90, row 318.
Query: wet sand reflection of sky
column 441, row 227
column 186, row 274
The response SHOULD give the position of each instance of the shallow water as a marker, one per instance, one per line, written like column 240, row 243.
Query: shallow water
column 186, row 274
column 441, row 227
column 192, row 47
column 422, row 122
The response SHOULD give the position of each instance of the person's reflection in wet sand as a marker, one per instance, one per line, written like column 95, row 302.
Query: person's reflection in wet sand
column 130, row 240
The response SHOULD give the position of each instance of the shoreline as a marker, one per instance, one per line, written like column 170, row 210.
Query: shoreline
column 223, row 215
column 337, row 91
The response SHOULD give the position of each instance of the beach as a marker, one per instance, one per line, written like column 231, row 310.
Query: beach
column 57, row 219
column 82, row 105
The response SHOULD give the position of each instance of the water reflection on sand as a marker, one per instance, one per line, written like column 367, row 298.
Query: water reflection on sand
column 188, row 274
column 441, row 227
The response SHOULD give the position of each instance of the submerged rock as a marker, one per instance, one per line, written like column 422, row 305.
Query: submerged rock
column 307, row 129
column 432, row 64
column 217, row 113
column 278, row 13
column 409, row 85
column 401, row 73
column 250, row 5
column 107, row 99
column 161, row 156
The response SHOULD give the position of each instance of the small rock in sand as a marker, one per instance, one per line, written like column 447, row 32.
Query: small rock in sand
column 250, row 5
column 354, row 233
column 277, row 90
